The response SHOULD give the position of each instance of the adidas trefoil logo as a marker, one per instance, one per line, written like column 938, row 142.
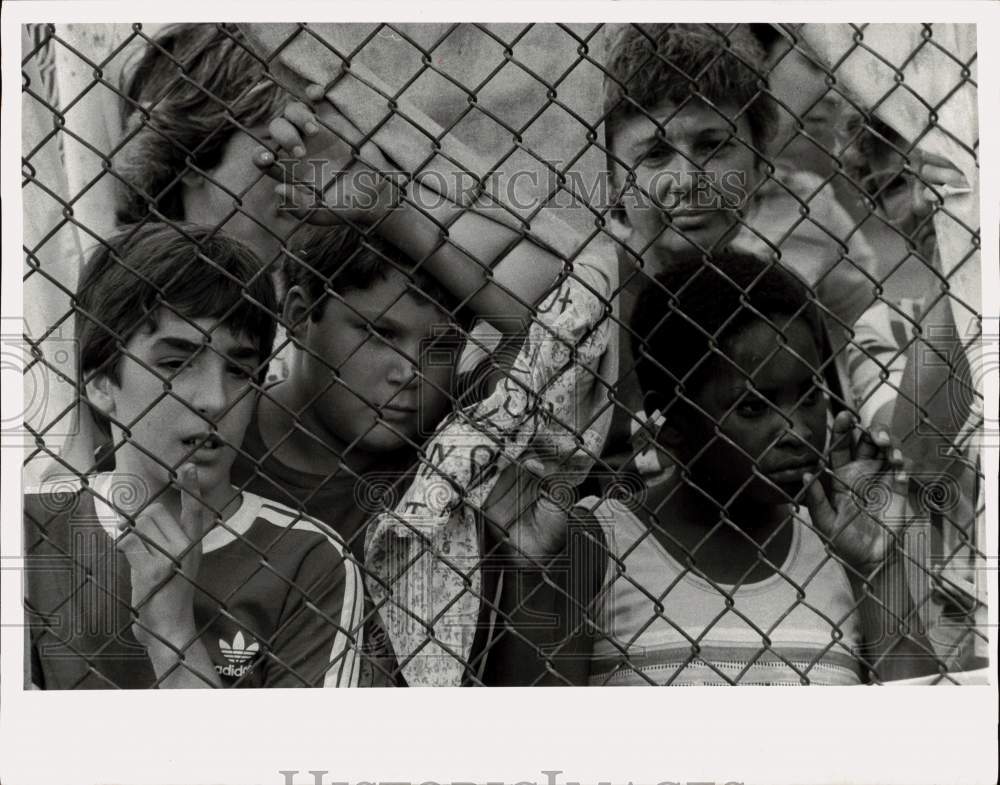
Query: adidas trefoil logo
column 239, row 653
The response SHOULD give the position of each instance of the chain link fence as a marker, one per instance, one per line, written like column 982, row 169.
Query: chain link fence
column 386, row 355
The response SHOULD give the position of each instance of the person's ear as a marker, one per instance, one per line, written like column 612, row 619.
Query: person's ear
column 194, row 194
column 296, row 312
column 192, row 180
column 101, row 394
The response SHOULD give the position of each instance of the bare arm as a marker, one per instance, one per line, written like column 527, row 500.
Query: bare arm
column 433, row 200
column 867, row 540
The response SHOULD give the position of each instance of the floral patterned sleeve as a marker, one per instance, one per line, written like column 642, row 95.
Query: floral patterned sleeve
column 423, row 556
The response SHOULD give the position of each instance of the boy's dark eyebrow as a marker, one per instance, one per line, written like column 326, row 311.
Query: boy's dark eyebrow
column 661, row 136
column 181, row 344
column 240, row 352
column 379, row 319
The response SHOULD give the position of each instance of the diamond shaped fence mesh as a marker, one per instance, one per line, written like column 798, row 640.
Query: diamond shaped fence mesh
column 457, row 354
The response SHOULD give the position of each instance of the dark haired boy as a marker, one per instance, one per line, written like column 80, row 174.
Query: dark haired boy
column 372, row 373
column 363, row 388
column 160, row 573
column 373, row 314
column 196, row 99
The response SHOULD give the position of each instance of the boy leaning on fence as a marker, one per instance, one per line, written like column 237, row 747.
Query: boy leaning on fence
column 160, row 573
column 337, row 438
column 334, row 170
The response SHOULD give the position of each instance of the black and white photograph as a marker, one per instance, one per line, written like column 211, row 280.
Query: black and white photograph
column 452, row 353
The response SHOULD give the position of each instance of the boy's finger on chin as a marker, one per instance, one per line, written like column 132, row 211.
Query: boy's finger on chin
column 193, row 510
column 869, row 447
column 187, row 479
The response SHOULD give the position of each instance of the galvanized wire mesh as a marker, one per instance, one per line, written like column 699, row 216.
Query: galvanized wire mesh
column 583, row 144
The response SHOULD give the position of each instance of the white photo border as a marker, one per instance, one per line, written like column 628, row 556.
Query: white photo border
column 879, row 735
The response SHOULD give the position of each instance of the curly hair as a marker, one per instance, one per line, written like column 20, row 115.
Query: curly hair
column 193, row 86
column 684, row 317
column 652, row 63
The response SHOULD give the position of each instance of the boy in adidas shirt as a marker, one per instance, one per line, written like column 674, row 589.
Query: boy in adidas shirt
column 160, row 573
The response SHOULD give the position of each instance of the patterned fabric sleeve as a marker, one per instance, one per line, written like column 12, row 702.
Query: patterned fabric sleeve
column 423, row 557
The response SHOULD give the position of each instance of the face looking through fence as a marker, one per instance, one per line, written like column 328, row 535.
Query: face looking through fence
column 576, row 438
column 360, row 369
column 197, row 104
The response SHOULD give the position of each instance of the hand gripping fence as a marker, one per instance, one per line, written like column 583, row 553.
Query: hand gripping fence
column 605, row 354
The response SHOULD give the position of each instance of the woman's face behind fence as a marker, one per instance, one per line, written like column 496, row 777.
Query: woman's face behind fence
column 693, row 171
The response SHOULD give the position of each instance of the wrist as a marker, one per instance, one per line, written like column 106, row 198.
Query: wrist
column 164, row 642
column 167, row 622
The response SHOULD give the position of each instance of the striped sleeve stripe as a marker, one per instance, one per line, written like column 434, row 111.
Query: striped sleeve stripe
column 285, row 516
column 347, row 669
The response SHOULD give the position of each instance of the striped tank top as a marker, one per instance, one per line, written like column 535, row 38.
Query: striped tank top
column 660, row 623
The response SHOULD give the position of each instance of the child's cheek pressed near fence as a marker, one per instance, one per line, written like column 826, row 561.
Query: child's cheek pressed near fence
column 763, row 424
